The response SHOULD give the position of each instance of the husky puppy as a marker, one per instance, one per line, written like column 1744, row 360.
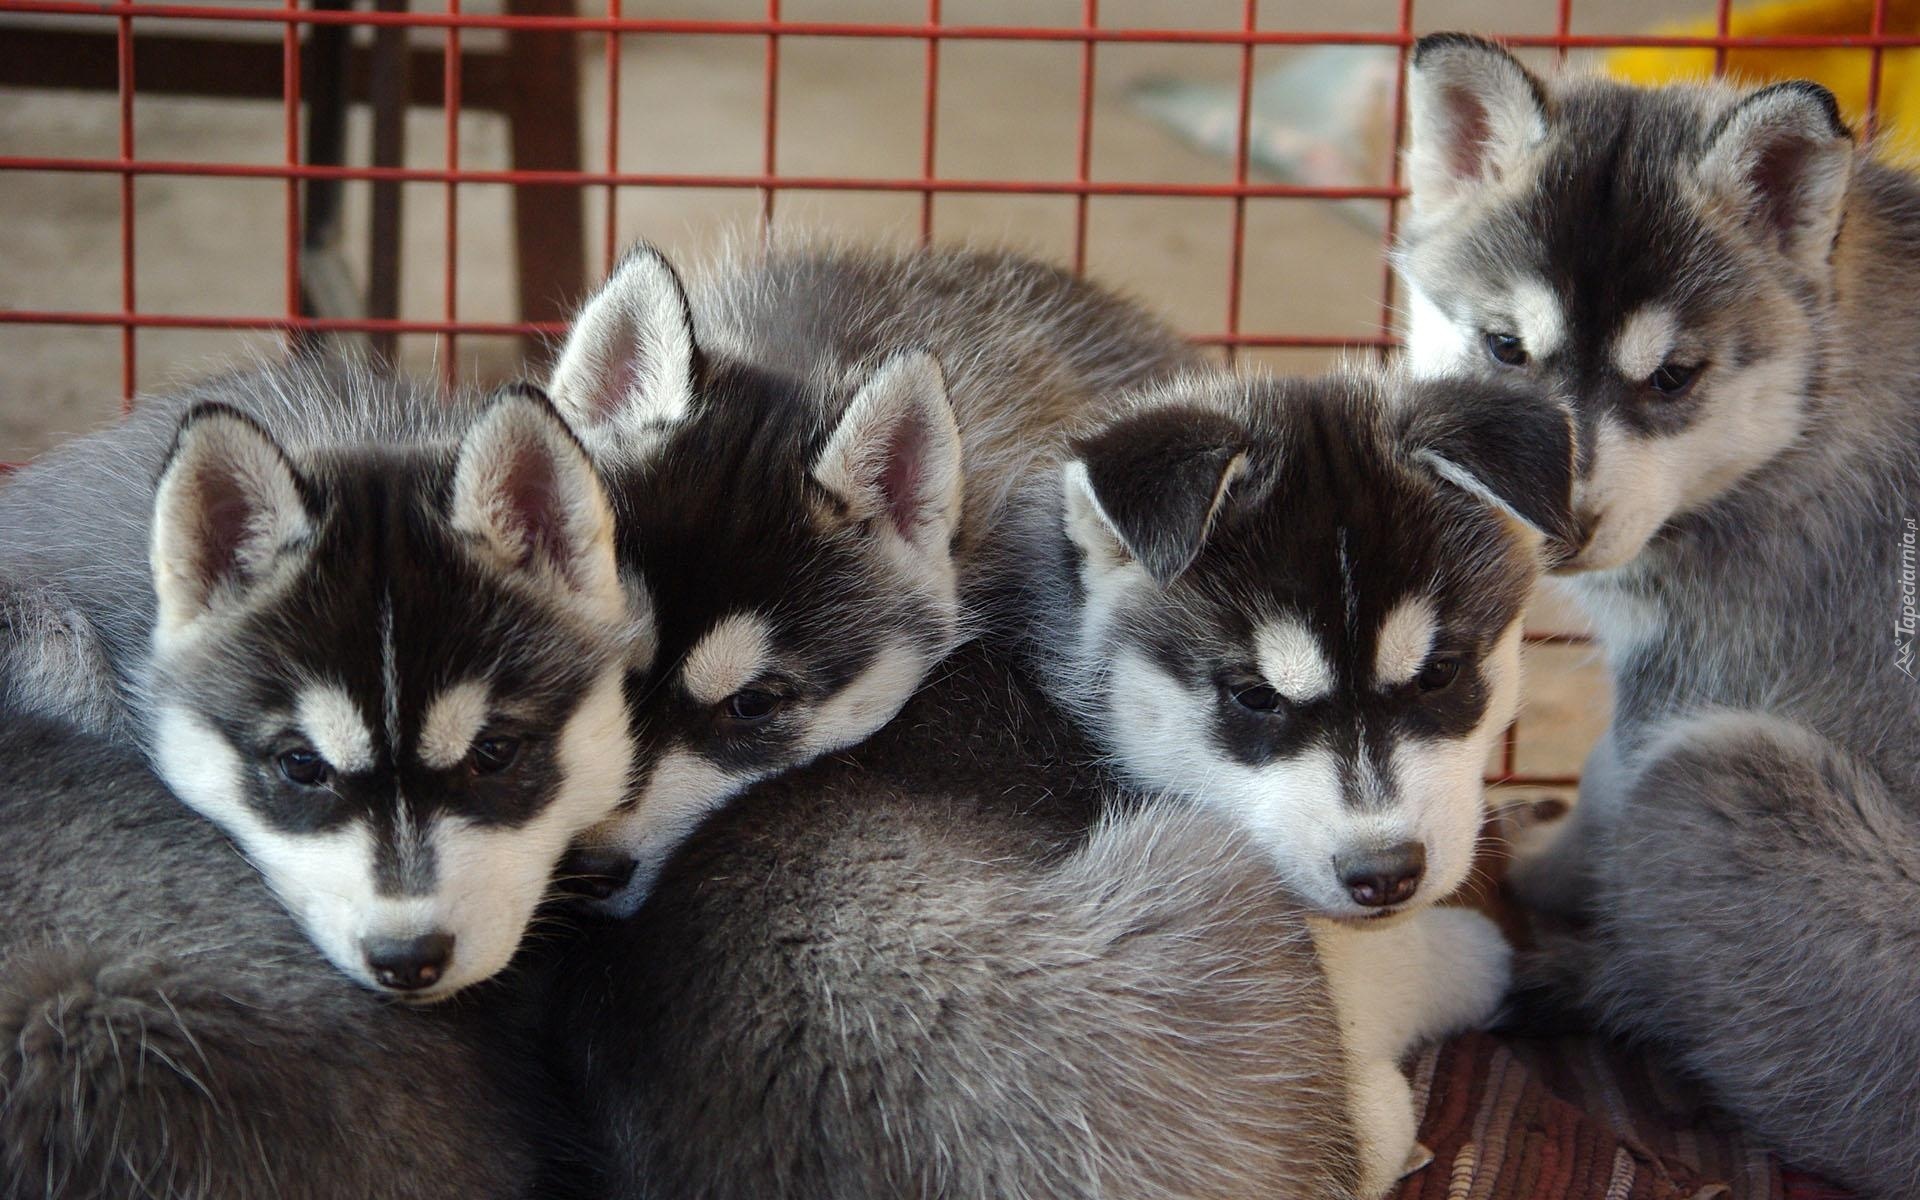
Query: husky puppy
column 1724, row 290
column 168, row 1032
column 378, row 638
column 1300, row 601
column 910, row 970
column 786, row 445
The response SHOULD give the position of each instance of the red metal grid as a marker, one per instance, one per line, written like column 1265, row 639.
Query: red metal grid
column 613, row 24
column 450, row 85
column 770, row 181
column 123, row 31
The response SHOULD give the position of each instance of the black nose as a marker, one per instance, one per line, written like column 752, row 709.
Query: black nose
column 409, row 964
column 1383, row 876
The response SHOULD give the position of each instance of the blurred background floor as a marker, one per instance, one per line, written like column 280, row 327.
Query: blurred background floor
column 848, row 106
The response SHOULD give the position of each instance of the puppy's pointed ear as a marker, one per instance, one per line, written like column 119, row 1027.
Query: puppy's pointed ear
column 529, row 502
column 230, row 516
column 626, row 371
column 894, row 458
column 1473, row 112
column 1148, row 490
column 1781, row 160
column 1512, row 448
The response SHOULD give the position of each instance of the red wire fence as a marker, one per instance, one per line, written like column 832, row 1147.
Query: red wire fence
column 126, row 24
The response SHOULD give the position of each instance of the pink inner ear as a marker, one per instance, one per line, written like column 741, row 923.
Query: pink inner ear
column 1466, row 149
column 618, row 383
column 1775, row 179
column 903, row 472
column 531, row 494
column 224, row 518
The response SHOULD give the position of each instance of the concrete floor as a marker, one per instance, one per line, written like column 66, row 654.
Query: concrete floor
column 848, row 107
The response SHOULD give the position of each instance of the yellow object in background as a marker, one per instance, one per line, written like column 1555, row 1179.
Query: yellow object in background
column 1844, row 70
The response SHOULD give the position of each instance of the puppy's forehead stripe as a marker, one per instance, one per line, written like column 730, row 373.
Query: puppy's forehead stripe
column 727, row 657
column 331, row 720
column 1406, row 638
column 389, row 670
column 1644, row 341
column 1291, row 659
column 453, row 720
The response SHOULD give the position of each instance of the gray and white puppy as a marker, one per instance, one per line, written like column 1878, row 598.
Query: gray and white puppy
column 1725, row 291
column 1300, row 601
column 806, row 449
column 378, row 638
column 169, row 1032
column 932, row 967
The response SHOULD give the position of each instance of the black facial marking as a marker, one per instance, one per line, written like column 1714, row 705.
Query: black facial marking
column 404, row 860
column 1374, row 785
column 1333, row 526
column 392, row 595
column 793, row 557
column 1609, row 223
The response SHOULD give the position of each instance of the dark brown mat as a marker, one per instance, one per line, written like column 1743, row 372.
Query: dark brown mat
column 1580, row 1119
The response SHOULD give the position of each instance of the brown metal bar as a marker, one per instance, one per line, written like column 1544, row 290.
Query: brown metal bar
column 550, row 231
column 226, row 68
column 391, row 80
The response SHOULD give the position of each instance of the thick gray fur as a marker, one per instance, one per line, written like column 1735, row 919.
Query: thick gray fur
column 1748, row 834
column 1760, row 885
column 1027, row 349
column 76, row 591
column 167, row 1033
column 912, row 971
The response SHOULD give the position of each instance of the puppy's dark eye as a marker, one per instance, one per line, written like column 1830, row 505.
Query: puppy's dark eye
column 1437, row 675
column 750, row 706
column 1256, row 697
column 493, row 754
column 1673, row 380
column 304, row 766
column 1507, row 349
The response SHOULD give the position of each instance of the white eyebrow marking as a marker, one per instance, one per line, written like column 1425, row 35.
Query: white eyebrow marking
column 1536, row 312
column 453, row 720
column 1644, row 341
column 332, row 722
column 728, row 657
column 1292, row 662
column 1406, row 638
